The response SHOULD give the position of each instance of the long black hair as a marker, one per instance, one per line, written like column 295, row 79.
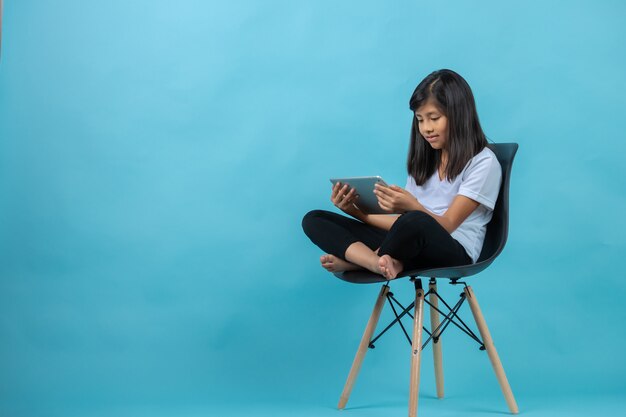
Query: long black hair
column 451, row 94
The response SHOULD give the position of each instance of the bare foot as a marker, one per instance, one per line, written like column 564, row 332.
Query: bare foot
column 389, row 267
column 331, row 263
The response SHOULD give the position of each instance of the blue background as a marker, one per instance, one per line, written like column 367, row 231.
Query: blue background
column 156, row 158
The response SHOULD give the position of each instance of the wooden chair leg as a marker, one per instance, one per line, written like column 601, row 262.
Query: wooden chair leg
column 491, row 350
column 434, row 323
column 363, row 346
column 416, row 348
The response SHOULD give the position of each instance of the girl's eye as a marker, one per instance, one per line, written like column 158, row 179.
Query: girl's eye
column 434, row 119
column 419, row 121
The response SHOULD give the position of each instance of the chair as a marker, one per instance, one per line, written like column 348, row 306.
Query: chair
column 495, row 239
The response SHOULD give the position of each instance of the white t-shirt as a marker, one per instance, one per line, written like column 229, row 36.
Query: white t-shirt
column 480, row 181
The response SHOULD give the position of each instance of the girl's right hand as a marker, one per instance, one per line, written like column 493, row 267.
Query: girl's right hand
column 344, row 197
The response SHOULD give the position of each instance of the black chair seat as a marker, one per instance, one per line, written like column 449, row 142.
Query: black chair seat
column 366, row 277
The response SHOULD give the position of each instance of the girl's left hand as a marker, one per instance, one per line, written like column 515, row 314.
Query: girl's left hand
column 394, row 199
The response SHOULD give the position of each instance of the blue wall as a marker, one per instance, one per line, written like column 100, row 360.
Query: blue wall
column 156, row 158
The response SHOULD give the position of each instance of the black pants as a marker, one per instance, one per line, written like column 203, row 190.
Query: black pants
column 415, row 238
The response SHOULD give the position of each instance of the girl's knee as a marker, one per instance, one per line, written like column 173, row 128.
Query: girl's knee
column 311, row 218
column 414, row 218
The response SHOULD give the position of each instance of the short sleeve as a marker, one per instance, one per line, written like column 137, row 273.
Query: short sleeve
column 481, row 179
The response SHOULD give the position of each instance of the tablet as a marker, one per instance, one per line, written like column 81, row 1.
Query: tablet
column 364, row 186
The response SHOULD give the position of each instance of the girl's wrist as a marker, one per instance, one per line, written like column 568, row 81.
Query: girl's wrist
column 359, row 215
column 350, row 210
column 417, row 206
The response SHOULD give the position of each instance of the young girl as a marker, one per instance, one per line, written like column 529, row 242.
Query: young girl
column 440, row 217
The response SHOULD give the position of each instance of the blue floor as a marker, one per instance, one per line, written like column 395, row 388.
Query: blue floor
column 537, row 407
column 428, row 407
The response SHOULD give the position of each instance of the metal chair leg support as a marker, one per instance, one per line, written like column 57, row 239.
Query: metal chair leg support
column 416, row 348
column 365, row 341
column 434, row 324
column 491, row 350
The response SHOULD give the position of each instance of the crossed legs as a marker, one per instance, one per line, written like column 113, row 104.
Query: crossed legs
column 414, row 240
column 350, row 244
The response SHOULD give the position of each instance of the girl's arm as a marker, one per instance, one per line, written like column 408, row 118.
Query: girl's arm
column 456, row 214
column 382, row 221
column 396, row 199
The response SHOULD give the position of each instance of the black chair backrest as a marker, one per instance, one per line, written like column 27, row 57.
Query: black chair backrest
column 498, row 227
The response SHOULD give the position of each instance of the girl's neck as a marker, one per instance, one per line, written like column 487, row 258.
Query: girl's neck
column 444, row 158
column 443, row 165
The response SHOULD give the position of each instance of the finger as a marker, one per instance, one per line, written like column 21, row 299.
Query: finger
column 382, row 197
column 393, row 193
column 385, row 205
column 340, row 190
column 346, row 201
column 339, row 193
column 345, row 194
column 335, row 191
column 402, row 191
column 383, row 190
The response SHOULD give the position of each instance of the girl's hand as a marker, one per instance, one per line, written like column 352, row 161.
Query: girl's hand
column 344, row 197
column 394, row 199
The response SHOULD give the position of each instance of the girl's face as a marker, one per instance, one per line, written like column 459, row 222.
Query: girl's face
column 433, row 125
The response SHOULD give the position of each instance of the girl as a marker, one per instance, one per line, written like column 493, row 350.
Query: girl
column 440, row 217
